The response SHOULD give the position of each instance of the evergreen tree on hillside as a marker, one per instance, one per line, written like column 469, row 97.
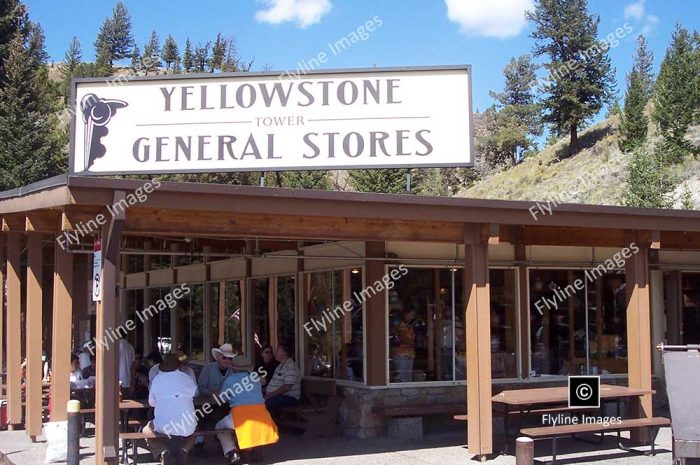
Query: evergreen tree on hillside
column 633, row 128
column 29, row 149
column 580, row 78
column 676, row 100
column 518, row 115
column 171, row 55
column 201, row 57
column 13, row 21
column 151, row 54
column 392, row 181
column 218, row 53
column 188, row 57
column 115, row 40
column 648, row 182
column 71, row 60
column 306, row 179
column 137, row 64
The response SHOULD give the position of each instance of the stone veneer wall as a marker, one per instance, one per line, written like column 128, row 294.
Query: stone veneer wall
column 357, row 420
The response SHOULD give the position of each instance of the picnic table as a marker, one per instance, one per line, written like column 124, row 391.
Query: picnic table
column 525, row 402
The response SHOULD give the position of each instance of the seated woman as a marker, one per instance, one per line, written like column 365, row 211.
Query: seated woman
column 252, row 422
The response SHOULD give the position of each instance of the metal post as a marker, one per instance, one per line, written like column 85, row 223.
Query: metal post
column 524, row 451
column 74, row 429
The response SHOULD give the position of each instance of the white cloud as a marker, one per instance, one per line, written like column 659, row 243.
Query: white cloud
column 493, row 18
column 303, row 12
column 635, row 10
column 652, row 22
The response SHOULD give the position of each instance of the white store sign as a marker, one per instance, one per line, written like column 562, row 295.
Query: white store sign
column 375, row 118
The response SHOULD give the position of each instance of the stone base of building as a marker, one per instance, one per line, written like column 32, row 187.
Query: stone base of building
column 357, row 419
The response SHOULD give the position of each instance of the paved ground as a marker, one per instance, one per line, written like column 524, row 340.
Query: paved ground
column 437, row 449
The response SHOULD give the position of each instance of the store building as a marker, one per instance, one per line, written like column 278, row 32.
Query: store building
column 492, row 297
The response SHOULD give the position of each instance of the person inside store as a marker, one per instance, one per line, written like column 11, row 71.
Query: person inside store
column 284, row 390
column 172, row 396
column 266, row 364
column 249, row 423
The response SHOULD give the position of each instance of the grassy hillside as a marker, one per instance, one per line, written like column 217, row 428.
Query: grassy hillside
column 596, row 175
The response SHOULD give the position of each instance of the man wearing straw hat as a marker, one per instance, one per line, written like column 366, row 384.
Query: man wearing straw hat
column 210, row 380
column 172, row 395
column 248, row 416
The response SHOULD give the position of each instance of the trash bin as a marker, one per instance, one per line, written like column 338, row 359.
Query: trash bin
column 682, row 369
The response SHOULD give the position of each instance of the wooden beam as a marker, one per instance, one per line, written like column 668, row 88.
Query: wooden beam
column 106, row 386
column 14, row 330
column 33, row 333
column 81, row 218
column 478, row 340
column 375, row 314
column 45, row 221
column 186, row 222
column 13, row 222
column 639, row 344
column 61, row 332
column 523, row 307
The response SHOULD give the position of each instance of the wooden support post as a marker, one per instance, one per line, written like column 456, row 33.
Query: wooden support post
column 62, row 332
column 33, row 333
column 3, row 246
column 221, row 313
column 272, row 310
column 478, row 326
column 524, row 306
column 639, row 344
column 107, row 383
column 376, row 313
column 14, row 330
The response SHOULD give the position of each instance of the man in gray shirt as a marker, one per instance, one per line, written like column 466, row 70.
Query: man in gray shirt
column 284, row 389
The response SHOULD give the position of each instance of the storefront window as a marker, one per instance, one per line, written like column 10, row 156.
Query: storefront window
column 260, row 315
column 192, row 323
column 133, row 304
column 427, row 338
column 286, row 331
column 233, row 325
column 577, row 322
column 690, row 330
column 160, row 323
column 333, row 320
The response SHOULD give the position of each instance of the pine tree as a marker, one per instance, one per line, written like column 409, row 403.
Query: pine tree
column 36, row 44
column 71, row 60
column 188, row 57
column 115, row 41
column 13, row 21
column 676, row 98
column 122, row 38
column 640, row 80
column 200, row 58
column 137, row 64
column 306, row 180
column 218, row 53
column 648, row 182
column 171, row 55
column 580, row 78
column 28, row 143
column 392, row 181
column 151, row 54
column 518, row 115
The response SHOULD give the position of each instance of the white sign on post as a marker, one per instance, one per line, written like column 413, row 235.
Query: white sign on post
column 97, row 272
column 341, row 119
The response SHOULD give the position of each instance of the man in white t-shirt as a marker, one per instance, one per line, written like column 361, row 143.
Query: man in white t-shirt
column 126, row 359
column 284, row 389
column 172, row 394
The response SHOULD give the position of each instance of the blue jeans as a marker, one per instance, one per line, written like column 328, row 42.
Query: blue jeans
column 273, row 404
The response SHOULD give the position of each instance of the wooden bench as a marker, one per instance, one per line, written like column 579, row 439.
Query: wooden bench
column 316, row 415
column 556, row 432
column 129, row 440
column 399, row 425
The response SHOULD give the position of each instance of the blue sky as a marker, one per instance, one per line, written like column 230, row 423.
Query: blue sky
column 280, row 34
